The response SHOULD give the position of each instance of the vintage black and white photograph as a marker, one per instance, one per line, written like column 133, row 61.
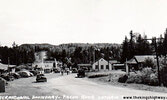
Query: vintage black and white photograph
column 83, row 50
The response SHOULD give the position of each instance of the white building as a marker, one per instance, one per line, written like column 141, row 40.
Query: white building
column 102, row 64
column 39, row 59
column 49, row 65
column 42, row 63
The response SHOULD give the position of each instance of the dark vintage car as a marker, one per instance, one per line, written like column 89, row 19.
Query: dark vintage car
column 15, row 75
column 56, row 70
column 7, row 77
column 74, row 70
column 41, row 78
column 81, row 73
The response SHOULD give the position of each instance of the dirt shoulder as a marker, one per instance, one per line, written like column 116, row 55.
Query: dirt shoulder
column 112, row 79
column 29, row 87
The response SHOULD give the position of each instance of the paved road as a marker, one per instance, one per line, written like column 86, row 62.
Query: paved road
column 84, row 89
column 68, row 87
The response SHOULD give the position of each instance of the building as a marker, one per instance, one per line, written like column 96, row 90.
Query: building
column 7, row 68
column 102, row 64
column 49, row 65
column 137, row 61
column 43, row 64
column 116, row 65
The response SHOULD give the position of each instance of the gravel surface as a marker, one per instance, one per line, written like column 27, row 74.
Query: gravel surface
column 112, row 79
column 68, row 87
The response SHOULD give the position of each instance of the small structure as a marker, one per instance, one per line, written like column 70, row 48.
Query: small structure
column 2, row 85
column 137, row 61
column 117, row 66
column 43, row 64
column 6, row 68
column 102, row 64
column 49, row 65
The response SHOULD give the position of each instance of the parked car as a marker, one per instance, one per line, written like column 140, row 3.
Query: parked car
column 7, row 77
column 81, row 73
column 25, row 74
column 15, row 75
column 74, row 70
column 41, row 78
column 56, row 71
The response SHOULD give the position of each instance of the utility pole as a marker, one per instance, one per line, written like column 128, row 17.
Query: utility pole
column 159, row 78
column 8, row 64
column 127, row 67
column 108, row 59
column 93, row 55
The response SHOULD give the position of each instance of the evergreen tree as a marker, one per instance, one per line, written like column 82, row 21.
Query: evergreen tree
column 160, row 46
column 125, row 51
column 165, row 43
column 142, row 46
column 131, row 45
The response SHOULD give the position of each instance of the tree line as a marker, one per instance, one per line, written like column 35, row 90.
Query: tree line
column 136, row 44
column 16, row 55
column 85, row 56
column 141, row 45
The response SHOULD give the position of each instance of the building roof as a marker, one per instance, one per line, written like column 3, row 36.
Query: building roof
column 131, row 61
column 4, row 66
column 101, row 60
column 140, row 58
column 113, row 61
column 122, row 65
column 84, row 65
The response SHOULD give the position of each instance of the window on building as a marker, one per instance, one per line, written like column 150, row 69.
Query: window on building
column 97, row 67
column 107, row 67
column 102, row 67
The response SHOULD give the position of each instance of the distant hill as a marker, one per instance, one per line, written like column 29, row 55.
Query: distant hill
column 70, row 47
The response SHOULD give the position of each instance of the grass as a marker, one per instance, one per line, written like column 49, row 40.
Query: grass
column 103, row 73
column 112, row 79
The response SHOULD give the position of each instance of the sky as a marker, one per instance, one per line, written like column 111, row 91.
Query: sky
column 79, row 21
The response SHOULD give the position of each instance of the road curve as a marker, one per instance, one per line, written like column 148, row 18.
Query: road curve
column 82, row 89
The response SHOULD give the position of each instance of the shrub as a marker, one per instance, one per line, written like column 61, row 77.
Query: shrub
column 146, row 76
column 164, row 76
column 149, row 77
column 122, row 79
column 146, row 72
column 148, row 62
column 153, row 80
column 135, row 78
column 130, row 79
column 97, row 75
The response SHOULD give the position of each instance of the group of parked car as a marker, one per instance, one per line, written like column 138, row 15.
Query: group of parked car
column 20, row 74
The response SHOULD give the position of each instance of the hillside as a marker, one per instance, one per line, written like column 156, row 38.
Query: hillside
column 70, row 47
